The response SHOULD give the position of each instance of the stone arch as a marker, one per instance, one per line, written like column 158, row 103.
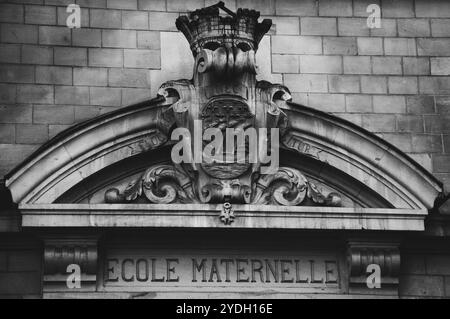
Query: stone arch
column 332, row 149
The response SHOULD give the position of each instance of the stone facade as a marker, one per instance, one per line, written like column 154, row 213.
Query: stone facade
column 393, row 81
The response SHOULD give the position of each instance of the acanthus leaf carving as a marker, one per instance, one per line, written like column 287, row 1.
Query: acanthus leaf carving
column 161, row 184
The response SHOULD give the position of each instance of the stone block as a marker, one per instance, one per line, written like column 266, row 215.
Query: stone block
column 316, row 83
column 105, row 96
column 11, row 13
column 402, row 85
column 357, row 65
column 399, row 46
column 92, row 3
column 284, row 44
column 163, row 21
column 54, row 75
column 266, row 7
column 335, row 8
column 148, row 40
column 410, row 123
column 184, row 6
column 9, row 53
column 36, row 94
column 137, row 20
column 16, row 73
column 420, row 104
column 440, row 66
column 285, row 25
column 344, row 83
column 284, row 63
column 54, row 35
column 19, row 33
column 413, row 27
column 152, row 5
column 358, row 103
column 119, row 38
column 378, row 122
column 318, row 26
column 374, row 84
column 432, row 8
column 416, row 66
column 87, row 37
column 331, row 64
column 295, row 7
column 33, row 54
column 353, row 27
column 71, row 95
column 148, row 59
column 7, row 133
column 53, row 114
column 132, row 95
column 397, row 8
column 433, row 47
column 31, row 133
column 120, row 4
column 437, row 123
column 389, row 104
column 438, row 264
column 70, row 56
column 90, row 76
column 20, row 283
column 388, row 29
column 327, row 102
column 386, row 65
column 427, row 143
column 106, row 57
column 370, row 46
column 434, row 85
column 399, row 140
column 40, row 15
column 129, row 78
column 7, row 93
column 441, row 164
column 440, row 27
column 100, row 18
column 340, row 45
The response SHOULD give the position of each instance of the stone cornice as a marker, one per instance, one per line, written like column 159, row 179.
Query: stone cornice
column 208, row 216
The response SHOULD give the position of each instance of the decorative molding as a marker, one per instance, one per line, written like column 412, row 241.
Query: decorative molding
column 205, row 216
column 60, row 251
column 227, row 214
column 361, row 254
column 166, row 184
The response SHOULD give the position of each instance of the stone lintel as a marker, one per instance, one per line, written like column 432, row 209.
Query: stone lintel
column 208, row 216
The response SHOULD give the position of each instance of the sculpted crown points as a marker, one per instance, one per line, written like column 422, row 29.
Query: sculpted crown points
column 206, row 29
column 228, row 125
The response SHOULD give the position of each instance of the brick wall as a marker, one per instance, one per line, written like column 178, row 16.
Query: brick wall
column 20, row 266
column 393, row 81
column 425, row 272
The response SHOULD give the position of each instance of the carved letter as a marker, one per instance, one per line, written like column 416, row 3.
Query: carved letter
column 197, row 267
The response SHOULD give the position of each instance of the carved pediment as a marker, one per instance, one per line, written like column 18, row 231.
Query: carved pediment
column 224, row 97
column 125, row 156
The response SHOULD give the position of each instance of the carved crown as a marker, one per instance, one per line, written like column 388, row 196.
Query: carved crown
column 206, row 28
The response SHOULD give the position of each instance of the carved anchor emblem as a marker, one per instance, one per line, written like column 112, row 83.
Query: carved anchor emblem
column 227, row 214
